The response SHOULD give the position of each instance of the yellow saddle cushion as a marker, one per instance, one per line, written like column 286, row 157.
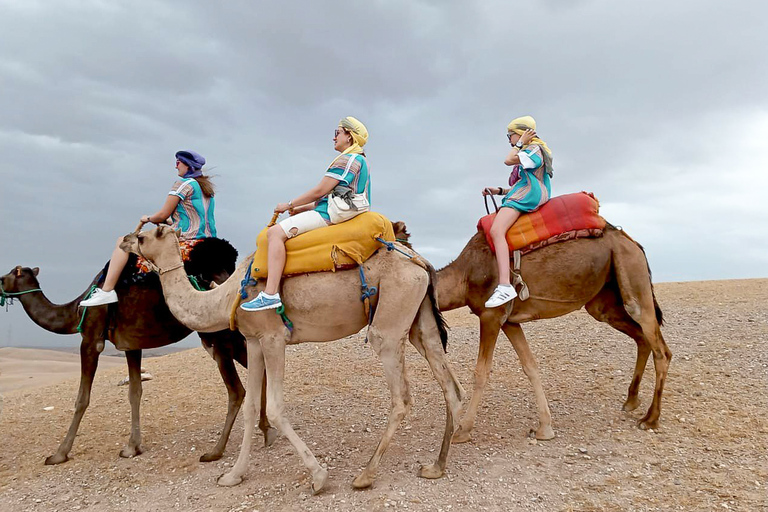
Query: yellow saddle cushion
column 330, row 248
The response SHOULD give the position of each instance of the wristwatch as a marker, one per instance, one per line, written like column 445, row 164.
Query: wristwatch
column 519, row 145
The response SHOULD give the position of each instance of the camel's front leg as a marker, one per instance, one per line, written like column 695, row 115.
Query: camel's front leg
column 252, row 403
column 489, row 331
column 133, row 448
column 390, row 349
column 516, row 336
column 273, row 347
column 90, row 349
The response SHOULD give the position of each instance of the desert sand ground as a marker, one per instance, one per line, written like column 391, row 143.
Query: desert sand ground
column 708, row 454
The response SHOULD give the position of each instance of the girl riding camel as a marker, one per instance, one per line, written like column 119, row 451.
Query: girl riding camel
column 190, row 206
column 531, row 162
column 310, row 210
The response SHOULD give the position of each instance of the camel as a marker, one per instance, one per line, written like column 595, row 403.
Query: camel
column 609, row 276
column 141, row 320
column 323, row 307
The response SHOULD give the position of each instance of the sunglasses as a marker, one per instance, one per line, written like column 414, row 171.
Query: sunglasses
column 337, row 131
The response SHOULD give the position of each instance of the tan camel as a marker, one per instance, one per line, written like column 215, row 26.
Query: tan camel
column 323, row 307
column 609, row 276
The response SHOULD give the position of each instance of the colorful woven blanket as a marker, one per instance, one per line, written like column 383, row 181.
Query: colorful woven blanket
column 328, row 249
column 561, row 218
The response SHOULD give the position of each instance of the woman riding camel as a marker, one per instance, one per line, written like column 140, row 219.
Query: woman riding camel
column 190, row 206
column 310, row 210
column 531, row 162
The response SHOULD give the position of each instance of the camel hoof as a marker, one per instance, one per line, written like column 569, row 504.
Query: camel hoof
column 210, row 457
column 631, row 404
column 363, row 481
column 648, row 425
column 318, row 480
column 545, row 433
column 460, row 436
column 229, row 480
column 432, row 471
column 56, row 459
column 270, row 436
column 131, row 452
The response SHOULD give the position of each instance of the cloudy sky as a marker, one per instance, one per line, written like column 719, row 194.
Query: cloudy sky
column 659, row 108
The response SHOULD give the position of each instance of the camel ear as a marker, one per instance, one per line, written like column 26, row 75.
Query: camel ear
column 178, row 233
column 18, row 270
column 35, row 271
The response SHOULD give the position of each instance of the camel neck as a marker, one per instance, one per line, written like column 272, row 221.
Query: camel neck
column 206, row 311
column 56, row 318
column 451, row 286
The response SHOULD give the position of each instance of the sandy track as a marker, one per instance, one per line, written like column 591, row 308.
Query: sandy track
column 709, row 453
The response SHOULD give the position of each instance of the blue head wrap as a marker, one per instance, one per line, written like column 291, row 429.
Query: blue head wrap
column 195, row 162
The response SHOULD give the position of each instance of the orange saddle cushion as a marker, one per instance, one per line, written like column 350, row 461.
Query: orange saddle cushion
column 561, row 218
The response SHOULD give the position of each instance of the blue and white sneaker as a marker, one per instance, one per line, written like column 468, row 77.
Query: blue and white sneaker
column 262, row 302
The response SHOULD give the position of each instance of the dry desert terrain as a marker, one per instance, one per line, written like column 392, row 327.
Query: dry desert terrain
column 708, row 454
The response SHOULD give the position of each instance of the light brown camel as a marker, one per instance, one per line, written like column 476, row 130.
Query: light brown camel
column 140, row 320
column 323, row 307
column 609, row 276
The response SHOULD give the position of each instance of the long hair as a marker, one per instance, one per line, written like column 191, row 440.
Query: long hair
column 206, row 186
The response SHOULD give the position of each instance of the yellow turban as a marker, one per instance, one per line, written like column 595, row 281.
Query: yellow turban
column 359, row 134
column 519, row 125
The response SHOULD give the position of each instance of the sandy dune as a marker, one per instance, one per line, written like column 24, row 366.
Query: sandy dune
column 23, row 368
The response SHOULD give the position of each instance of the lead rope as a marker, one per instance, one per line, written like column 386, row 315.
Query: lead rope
column 12, row 295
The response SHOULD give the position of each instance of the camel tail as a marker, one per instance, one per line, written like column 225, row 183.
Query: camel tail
column 657, row 308
column 442, row 326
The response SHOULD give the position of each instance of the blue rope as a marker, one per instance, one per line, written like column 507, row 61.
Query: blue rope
column 247, row 281
column 391, row 247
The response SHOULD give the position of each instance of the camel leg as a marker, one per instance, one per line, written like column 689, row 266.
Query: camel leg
column 389, row 346
column 273, row 348
column 235, row 393
column 516, row 336
column 252, row 402
column 133, row 448
column 489, row 331
column 240, row 354
column 638, row 301
column 90, row 349
column 607, row 307
column 426, row 338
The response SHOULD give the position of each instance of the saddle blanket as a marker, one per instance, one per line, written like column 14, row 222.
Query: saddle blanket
column 561, row 218
column 330, row 248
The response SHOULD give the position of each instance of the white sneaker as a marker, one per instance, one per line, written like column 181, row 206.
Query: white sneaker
column 501, row 295
column 99, row 297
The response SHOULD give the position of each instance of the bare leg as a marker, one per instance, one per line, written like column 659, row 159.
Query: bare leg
column 275, row 258
column 515, row 334
column 90, row 350
column 489, row 331
column 252, row 402
column 133, row 448
column 116, row 265
column 501, row 224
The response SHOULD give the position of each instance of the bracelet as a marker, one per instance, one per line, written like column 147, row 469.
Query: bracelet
column 501, row 191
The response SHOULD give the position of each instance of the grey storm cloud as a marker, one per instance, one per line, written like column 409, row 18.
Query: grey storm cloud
column 659, row 108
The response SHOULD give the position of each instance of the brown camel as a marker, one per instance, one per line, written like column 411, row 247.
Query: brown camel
column 140, row 320
column 323, row 307
column 609, row 276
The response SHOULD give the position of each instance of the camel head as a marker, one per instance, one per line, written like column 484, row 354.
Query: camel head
column 401, row 233
column 159, row 246
column 19, row 279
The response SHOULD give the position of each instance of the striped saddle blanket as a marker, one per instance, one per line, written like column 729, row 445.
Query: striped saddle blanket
column 562, row 218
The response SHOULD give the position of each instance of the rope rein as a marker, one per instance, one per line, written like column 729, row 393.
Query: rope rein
column 12, row 295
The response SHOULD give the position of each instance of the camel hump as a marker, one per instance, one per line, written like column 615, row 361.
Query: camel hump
column 211, row 256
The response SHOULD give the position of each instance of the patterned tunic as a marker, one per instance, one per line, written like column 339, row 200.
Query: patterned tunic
column 351, row 170
column 532, row 189
column 194, row 213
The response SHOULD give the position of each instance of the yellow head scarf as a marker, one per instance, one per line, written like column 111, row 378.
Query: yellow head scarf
column 519, row 125
column 359, row 134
